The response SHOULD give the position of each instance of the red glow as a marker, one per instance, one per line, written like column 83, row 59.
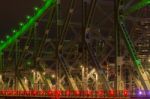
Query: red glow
column 9, row 92
column 89, row 92
column 14, row 92
column 44, row 92
column 68, row 93
column 40, row 92
column 34, row 92
column 49, row 92
column 58, row 93
column 111, row 93
column 3, row 92
column 125, row 93
column 77, row 93
column 100, row 92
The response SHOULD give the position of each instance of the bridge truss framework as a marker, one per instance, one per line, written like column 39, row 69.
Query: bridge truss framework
column 65, row 50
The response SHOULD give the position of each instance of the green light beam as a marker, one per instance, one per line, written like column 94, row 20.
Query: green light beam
column 137, row 6
column 25, row 27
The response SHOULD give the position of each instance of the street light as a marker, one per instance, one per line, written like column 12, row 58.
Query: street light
column 53, row 76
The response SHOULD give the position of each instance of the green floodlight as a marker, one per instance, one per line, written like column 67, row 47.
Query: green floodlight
column 26, row 26
column 7, row 36
column 1, row 41
column 13, row 30
column 28, row 17
column 21, row 24
column 36, row 8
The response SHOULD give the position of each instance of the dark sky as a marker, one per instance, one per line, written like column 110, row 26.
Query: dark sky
column 14, row 11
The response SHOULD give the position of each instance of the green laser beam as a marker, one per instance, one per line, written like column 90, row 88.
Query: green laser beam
column 26, row 26
column 137, row 6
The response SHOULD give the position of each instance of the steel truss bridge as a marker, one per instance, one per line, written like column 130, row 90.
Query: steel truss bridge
column 75, row 49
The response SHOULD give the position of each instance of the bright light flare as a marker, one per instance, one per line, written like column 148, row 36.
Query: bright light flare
column 111, row 93
column 125, row 93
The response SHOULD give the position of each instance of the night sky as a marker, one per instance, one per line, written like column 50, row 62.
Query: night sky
column 14, row 11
